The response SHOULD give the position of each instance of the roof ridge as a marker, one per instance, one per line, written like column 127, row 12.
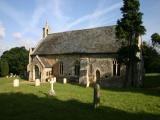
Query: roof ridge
column 82, row 29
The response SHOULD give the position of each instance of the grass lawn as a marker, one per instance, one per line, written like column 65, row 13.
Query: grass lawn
column 28, row 102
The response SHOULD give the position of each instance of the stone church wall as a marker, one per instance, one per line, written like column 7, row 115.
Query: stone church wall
column 89, row 64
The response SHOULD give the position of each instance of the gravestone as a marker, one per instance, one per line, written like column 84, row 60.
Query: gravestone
column 16, row 83
column 51, row 91
column 96, row 97
column 37, row 82
column 64, row 80
column 11, row 75
column 54, row 78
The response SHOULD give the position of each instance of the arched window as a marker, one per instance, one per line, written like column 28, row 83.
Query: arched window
column 77, row 68
column 98, row 75
column 118, row 69
column 37, row 72
column 61, row 68
column 114, row 68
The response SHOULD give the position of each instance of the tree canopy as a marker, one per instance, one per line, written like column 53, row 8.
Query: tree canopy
column 17, row 58
column 151, row 59
column 155, row 39
column 129, row 27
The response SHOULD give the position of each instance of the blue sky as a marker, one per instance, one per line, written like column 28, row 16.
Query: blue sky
column 21, row 21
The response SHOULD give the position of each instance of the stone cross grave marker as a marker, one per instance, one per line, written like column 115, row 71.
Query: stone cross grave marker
column 37, row 82
column 16, row 83
column 51, row 91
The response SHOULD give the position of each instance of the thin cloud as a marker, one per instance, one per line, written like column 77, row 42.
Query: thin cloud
column 57, row 6
column 95, row 15
column 17, row 35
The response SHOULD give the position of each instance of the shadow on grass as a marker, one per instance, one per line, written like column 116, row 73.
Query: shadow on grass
column 151, row 86
column 152, row 81
column 18, row 106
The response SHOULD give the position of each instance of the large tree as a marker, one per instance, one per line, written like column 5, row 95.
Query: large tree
column 128, row 29
column 17, row 59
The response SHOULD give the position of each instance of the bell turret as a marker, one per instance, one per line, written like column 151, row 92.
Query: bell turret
column 45, row 30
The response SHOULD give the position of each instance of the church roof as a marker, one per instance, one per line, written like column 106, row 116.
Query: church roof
column 95, row 40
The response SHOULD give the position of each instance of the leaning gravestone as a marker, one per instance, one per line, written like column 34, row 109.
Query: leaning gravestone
column 16, row 83
column 37, row 82
column 96, row 97
column 51, row 91
column 64, row 80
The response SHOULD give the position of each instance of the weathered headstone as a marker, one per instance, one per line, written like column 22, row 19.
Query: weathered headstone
column 37, row 82
column 64, row 80
column 11, row 75
column 16, row 83
column 96, row 97
column 51, row 91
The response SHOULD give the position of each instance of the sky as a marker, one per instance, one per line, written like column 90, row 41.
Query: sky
column 21, row 21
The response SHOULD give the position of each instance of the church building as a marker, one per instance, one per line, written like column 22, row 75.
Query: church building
column 82, row 56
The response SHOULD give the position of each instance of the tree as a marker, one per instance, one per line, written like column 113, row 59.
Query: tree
column 128, row 29
column 151, row 59
column 17, row 59
column 4, row 68
column 155, row 39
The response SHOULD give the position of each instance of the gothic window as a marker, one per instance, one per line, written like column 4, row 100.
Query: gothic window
column 61, row 68
column 118, row 69
column 37, row 72
column 77, row 68
column 114, row 68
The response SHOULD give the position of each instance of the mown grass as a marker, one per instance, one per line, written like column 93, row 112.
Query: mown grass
column 73, row 102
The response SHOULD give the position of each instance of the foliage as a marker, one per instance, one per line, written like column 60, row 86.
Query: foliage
column 129, row 27
column 123, row 54
column 155, row 39
column 17, row 59
column 151, row 58
column 4, row 68
column 73, row 102
column 128, row 30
